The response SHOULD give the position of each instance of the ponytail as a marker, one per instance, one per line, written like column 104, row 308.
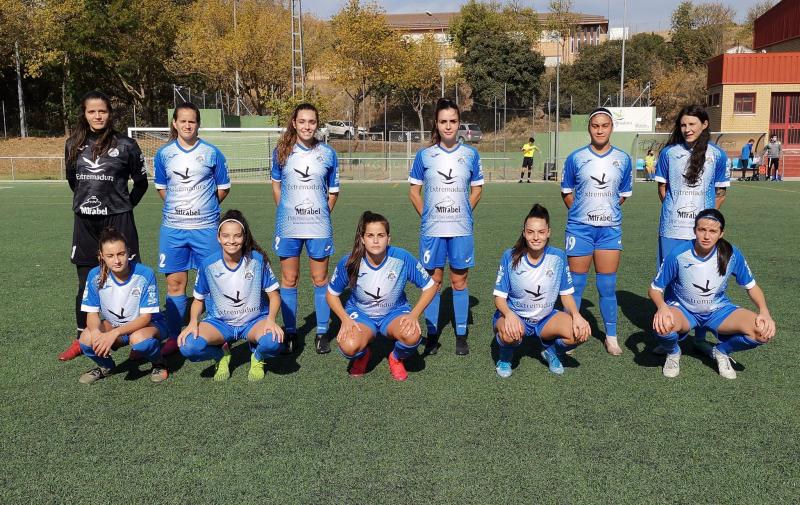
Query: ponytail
column 359, row 251
column 724, row 248
column 521, row 245
column 109, row 234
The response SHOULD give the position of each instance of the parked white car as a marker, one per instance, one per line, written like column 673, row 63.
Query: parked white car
column 344, row 129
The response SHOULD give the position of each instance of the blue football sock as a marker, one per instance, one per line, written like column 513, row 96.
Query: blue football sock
column 402, row 351
column 103, row 362
column 354, row 356
column 265, row 348
column 561, row 346
column 579, row 283
column 699, row 334
column 176, row 310
column 669, row 342
column 461, row 310
column 432, row 315
column 150, row 349
column 505, row 351
column 607, row 289
column 322, row 309
column 735, row 343
column 289, row 309
column 197, row 349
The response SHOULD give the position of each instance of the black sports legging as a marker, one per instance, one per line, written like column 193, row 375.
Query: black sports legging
column 80, row 317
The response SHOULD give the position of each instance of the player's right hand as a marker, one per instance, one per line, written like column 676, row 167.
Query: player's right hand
column 348, row 329
column 663, row 321
column 191, row 329
column 513, row 327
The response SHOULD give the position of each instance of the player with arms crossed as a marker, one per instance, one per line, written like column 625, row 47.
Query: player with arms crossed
column 376, row 274
column 697, row 272
column 531, row 276
column 122, row 307
column 99, row 162
column 239, row 293
column 191, row 176
column 597, row 180
column 452, row 178
column 692, row 175
column 305, row 186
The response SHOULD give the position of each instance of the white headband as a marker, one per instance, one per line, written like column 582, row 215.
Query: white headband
column 229, row 221
column 607, row 113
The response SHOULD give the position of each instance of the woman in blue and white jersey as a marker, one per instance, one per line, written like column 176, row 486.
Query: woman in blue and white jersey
column 531, row 276
column 239, row 293
column 305, row 186
column 446, row 184
column 191, row 176
column 122, row 307
column 597, row 180
column 376, row 275
column 697, row 274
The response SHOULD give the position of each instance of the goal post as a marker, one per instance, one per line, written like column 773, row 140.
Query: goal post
column 248, row 151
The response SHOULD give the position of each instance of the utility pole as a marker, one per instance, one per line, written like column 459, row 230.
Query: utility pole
column 624, row 36
column 23, row 124
column 237, row 66
column 298, row 65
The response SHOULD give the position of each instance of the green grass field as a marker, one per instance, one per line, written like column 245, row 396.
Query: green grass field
column 612, row 430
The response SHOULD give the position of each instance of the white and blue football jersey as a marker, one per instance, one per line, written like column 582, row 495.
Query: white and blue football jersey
column 597, row 181
column 191, row 180
column 682, row 202
column 120, row 303
column 696, row 283
column 446, row 178
column 235, row 296
column 380, row 289
column 306, row 179
column 531, row 290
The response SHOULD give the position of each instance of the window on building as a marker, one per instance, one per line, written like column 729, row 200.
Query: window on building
column 713, row 100
column 744, row 103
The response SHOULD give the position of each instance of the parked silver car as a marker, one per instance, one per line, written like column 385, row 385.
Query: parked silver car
column 469, row 132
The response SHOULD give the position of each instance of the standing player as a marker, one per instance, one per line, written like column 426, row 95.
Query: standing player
column 99, row 162
column 231, row 286
column 528, row 151
column 305, row 186
column 376, row 275
column 698, row 272
column 773, row 151
column 597, row 180
column 192, row 178
column 121, row 306
column 692, row 175
column 531, row 276
column 451, row 175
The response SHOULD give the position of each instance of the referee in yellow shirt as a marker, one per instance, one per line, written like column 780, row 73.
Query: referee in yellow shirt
column 528, row 150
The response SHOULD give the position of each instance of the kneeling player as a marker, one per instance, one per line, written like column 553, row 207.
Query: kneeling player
column 531, row 276
column 125, row 296
column 376, row 274
column 230, row 286
column 697, row 273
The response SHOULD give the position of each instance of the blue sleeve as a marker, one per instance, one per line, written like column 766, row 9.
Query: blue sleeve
column 276, row 167
column 667, row 272
column 91, row 294
column 662, row 165
column 415, row 272
column 477, row 170
column 722, row 176
column 626, row 184
column 201, row 284
column 339, row 280
column 566, row 278
column 741, row 270
column 417, row 174
column 503, row 284
column 221, row 177
column 568, row 180
column 268, row 280
column 149, row 299
column 333, row 173
column 160, row 170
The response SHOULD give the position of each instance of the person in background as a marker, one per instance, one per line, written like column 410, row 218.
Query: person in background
column 773, row 151
column 649, row 165
column 745, row 158
column 528, row 151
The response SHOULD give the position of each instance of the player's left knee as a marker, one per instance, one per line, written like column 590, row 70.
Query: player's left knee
column 458, row 282
column 268, row 345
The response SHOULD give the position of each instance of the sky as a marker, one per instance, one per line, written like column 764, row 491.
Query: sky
column 643, row 15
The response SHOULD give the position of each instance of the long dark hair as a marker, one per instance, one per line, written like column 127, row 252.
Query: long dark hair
column 289, row 137
column 724, row 248
column 441, row 104
column 359, row 250
column 521, row 245
column 109, row 234
column 107, row 137
column 249, row 244
column 173, row 133
column 698, row 159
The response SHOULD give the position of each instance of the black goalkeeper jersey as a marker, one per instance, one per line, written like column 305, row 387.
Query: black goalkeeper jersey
column 100, row 186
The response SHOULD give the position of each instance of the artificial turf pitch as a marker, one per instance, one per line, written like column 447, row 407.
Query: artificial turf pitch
column 612, row 430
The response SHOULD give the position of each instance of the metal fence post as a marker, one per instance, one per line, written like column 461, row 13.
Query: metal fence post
column 12, row 170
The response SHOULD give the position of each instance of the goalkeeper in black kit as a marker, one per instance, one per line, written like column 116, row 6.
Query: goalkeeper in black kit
column 99, row 162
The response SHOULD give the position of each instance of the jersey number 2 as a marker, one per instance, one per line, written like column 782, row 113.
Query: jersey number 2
column 162, row 260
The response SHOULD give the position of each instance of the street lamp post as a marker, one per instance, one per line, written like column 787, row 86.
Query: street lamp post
column 441, row 51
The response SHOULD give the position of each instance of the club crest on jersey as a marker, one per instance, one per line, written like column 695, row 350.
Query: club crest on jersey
column 200, row 159
column 113, row 152
column 321, row 158
column 549, row 273
column 136, row 292
column 92, row 206
column 249, row 275
column 615, row 163
column 448, row 206
column 462, row 160
column 306, row 208
column 392, row 275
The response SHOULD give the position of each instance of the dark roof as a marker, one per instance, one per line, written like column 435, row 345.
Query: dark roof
column 419, row 21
